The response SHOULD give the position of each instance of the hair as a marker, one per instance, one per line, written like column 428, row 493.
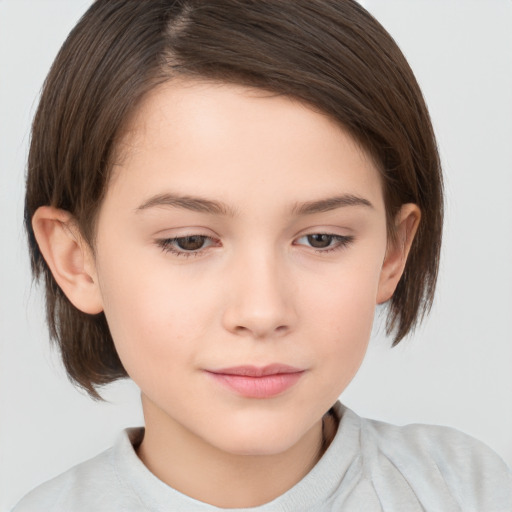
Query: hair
column 330, row 54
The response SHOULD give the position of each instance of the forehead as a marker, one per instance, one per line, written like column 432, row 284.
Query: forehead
column 206, row 135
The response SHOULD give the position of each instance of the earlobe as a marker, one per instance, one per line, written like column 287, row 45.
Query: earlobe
column 69, row 257
column 406, row 224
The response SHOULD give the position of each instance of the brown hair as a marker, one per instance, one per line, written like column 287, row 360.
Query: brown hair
column 331, row 54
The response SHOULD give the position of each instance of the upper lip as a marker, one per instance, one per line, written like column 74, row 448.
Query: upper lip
column 257, row 371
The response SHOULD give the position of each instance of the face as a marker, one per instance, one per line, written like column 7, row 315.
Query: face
column 239, row 259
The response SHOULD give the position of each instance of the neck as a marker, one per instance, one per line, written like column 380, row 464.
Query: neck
column 197, row 469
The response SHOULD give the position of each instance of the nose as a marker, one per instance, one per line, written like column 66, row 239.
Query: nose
column 260, row 297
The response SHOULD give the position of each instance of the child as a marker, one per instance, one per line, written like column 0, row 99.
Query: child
column 219, row 193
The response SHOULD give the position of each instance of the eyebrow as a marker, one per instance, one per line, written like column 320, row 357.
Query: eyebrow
column 330, row 203
column 196, row 204
column 202, row 205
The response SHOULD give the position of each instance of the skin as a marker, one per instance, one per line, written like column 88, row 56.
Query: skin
column 257, row 292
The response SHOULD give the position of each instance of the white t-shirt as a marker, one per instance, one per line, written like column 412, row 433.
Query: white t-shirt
column 369, row 466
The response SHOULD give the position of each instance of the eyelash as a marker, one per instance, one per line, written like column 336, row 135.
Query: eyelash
column 168, row 245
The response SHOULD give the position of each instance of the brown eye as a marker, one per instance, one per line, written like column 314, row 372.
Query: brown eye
column 191, row 243
column 187, row 246
column 323, row 243
column 320, row 241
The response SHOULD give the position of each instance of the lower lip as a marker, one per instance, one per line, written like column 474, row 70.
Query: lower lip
column 266, row 386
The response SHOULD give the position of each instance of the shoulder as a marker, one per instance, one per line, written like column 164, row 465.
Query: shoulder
column 90, row 485
column 435, row 459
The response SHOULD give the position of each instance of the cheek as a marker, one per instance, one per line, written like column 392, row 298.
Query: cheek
column 344, row 298
column 340, row 309
column 156, row 318
column 346, row 323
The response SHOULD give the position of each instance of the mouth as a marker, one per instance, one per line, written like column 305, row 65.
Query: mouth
column 257, row 382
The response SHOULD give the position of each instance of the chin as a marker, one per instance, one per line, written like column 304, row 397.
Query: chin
column 259, row 441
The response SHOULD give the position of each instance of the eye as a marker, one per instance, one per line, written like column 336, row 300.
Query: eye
column 325, row 242
column 191, row 245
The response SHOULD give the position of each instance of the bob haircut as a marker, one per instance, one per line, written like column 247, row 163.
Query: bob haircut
column 330, row 54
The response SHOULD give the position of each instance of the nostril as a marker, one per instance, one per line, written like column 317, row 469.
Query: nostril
column 259, row 310
column 261, row 331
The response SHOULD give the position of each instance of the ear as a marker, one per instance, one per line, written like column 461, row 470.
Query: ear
column 406, row 224
column 69, row 257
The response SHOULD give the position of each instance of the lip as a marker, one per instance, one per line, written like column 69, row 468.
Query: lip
column 257, row 382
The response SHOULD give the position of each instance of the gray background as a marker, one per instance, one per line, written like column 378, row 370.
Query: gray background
column 457, row 368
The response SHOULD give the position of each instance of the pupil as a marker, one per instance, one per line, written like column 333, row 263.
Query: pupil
column 191, row 243
column 320, row 241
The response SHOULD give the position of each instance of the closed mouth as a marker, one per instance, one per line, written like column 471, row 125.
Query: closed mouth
column 257, row 382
